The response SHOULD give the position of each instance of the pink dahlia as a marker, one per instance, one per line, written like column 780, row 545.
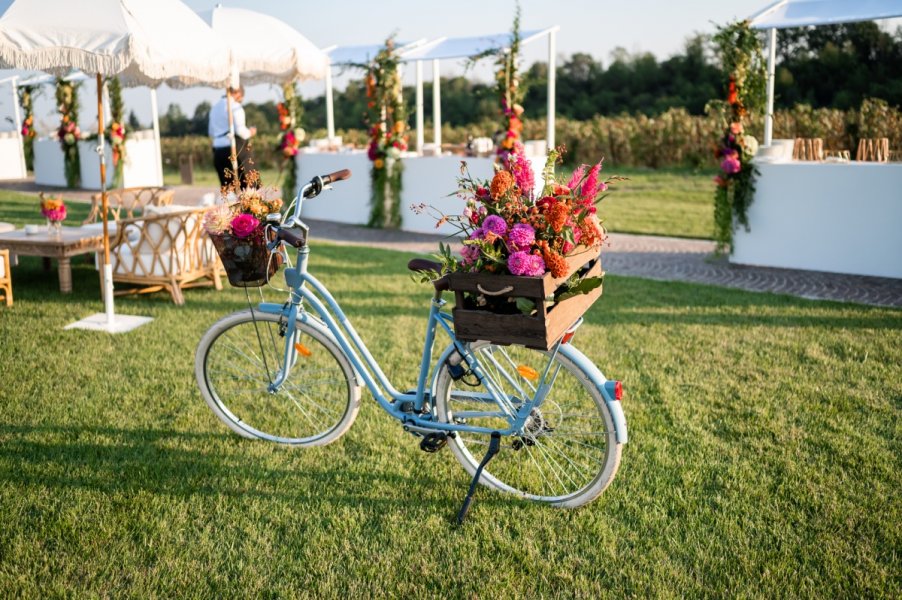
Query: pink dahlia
column 244, row 224
column 521, row 237
column 494, row 224
column 526, row 264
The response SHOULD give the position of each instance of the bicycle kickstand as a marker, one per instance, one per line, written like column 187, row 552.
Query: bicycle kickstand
column 494, row 446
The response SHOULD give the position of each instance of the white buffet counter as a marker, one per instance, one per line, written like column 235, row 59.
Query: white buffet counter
column 142, row 163
column 141, row 167
column 836, row 217
column 427, row 179
column 13, row 164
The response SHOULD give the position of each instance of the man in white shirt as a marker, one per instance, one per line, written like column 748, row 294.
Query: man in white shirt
column 218, row 129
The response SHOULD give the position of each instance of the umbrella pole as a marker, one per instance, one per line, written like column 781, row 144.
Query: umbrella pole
column 234, row 155
column 107, row 266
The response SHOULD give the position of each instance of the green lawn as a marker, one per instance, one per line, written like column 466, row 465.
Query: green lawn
column 669, row 202
column 764, row 457
column 206, row 177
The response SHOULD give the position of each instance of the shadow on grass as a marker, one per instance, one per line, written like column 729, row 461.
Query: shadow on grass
column 185, row 464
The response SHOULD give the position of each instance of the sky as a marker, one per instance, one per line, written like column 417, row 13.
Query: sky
column 595, row 27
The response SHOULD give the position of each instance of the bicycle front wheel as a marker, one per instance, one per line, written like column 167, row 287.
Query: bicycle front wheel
column 567, row 453
column 243, row 353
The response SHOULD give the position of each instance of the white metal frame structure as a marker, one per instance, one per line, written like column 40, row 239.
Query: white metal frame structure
column 436, row 51
column 799, row 13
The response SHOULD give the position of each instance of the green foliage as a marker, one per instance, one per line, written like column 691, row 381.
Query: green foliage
column 69, row 132
column 26, row 101
column 117, row 120
column 742, row 59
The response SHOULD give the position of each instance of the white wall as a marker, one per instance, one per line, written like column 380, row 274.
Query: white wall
column 840, row 218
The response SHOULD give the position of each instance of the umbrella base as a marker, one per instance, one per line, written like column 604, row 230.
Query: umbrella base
column 101, row 322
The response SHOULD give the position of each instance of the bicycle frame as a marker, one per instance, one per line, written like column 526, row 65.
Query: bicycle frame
column 407, row 407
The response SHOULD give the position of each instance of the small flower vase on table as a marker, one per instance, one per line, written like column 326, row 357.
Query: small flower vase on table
column 54, row 210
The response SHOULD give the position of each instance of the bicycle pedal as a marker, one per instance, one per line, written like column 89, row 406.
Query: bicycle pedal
column 433, row 442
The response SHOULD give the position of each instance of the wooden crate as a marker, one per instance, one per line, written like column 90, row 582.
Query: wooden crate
column 541, row 330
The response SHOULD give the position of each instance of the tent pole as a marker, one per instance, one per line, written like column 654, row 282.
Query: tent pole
column 104, row 203
column 330, row 110
column 420, row 137
column 436, row 108
column 552, row 77
column 155, row 114
column 18, row 118
column 769, row 111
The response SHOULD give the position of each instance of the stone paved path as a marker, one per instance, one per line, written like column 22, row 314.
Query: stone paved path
column 651, row 257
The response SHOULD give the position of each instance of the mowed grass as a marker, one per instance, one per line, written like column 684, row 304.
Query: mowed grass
column 764, row 457
column 667, row 202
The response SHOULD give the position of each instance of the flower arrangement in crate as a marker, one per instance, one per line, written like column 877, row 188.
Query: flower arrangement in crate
column 54, row 210
column 238, row 232
column 529, row 266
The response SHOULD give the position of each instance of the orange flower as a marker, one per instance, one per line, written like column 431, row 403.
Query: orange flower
column 592, row 232
column 378, row 163
column 501, row 183
column 557, row 215
column 733, row 95
column 555, row 263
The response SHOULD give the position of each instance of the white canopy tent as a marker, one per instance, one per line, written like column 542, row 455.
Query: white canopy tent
column 470, row 47
column 264, row 50
column 437, row 50
column 343, row 56
column 800, row 13
column 142, row 43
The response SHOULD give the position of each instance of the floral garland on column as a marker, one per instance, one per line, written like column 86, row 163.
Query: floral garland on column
column 68, row 132
column 28, row 131
column 117, row 131
column 387, row 122
column 740, row 50
column 290, row 111
column 507, row 82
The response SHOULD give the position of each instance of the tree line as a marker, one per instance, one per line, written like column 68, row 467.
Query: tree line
column 835, row 66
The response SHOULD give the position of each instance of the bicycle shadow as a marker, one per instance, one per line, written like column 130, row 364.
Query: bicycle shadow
column 185, row 465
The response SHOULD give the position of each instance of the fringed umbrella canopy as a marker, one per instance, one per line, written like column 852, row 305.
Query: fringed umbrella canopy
column 266, row 49
column 143, row 42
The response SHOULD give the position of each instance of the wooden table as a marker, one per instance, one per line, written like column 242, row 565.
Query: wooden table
column 72, row 241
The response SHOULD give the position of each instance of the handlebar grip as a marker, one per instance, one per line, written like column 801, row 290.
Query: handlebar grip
column 336, row 176
column 296, row 238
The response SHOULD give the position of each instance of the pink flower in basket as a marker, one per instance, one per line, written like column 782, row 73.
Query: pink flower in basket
column 526, row 264
column 244, row 224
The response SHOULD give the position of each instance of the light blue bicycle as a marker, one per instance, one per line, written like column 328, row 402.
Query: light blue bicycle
column 549, row 422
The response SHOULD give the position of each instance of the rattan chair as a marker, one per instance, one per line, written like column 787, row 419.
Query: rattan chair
column 168, row 251
column 129, row 203
column 6, row 280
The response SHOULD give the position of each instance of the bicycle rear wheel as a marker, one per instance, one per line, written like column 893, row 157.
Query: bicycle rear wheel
column 567, row 453
column 242, row 354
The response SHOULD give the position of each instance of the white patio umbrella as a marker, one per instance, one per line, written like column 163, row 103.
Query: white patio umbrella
column 264, row 50
column 141, row 42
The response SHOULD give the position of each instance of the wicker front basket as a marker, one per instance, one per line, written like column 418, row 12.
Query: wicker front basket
column 541, row 330
column 247, row 261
